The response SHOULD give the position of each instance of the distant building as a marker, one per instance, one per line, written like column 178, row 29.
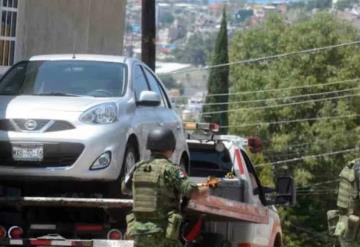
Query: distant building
column 31, row 27
column 8, row 17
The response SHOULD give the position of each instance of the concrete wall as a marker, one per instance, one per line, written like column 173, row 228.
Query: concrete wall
column 62, row 26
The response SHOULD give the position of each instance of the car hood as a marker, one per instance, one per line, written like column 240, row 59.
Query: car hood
column 13, row 106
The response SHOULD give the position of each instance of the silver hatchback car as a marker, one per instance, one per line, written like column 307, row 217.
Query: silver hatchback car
column 81, row 118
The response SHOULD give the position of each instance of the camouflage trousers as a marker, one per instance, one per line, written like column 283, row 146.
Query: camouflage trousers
column 155, row 240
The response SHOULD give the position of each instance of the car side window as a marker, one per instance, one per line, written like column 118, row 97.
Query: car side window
column 164, row 95
column 139, row 81
column 154, row 85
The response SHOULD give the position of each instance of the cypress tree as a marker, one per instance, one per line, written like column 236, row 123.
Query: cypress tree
column 218, row 82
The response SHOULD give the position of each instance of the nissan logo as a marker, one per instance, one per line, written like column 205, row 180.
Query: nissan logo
column 30, row 124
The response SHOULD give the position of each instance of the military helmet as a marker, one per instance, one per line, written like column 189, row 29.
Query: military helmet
column 161, row 139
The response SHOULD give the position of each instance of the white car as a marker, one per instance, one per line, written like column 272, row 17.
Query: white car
column 82, row 118
column 225, row 157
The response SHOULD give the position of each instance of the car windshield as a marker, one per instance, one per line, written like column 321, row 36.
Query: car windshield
column 65, row 78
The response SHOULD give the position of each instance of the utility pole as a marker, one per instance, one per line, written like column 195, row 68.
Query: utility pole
column 148, row 44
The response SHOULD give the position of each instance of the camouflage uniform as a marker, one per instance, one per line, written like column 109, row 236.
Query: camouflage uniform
column 157, row 187
column 348, row 202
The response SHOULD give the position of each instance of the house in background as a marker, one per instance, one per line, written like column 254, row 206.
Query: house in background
column 32, row 27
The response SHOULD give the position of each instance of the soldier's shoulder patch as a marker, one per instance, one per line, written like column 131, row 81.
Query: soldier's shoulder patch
column 181, row 173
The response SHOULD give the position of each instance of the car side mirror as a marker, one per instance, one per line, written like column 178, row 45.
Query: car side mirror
column 148, row 98
column 285, row 191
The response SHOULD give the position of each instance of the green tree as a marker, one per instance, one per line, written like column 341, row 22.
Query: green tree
column 166, row 18
column 170, row 82
column 218, row 82
column 305, row 224
column 345, row 4
column 196, row 50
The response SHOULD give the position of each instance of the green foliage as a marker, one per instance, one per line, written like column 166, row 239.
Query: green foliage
column 243, row 14
column 196, row 50
column 219, row 78
column 170, row 82
column 345, row 4
column 305, row 224
column 166, row 18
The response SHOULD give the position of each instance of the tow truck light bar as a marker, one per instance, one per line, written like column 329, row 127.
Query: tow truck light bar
column 253, row 142
column 212, row 127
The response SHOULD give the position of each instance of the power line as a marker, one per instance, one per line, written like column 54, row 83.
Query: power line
column 259, row 59
column 283, row 89
column 313, row 187
column 279, row 105
column 291, row 121
column 356, row 149
column 302, row 145
column 282, row 98
column 316, row 235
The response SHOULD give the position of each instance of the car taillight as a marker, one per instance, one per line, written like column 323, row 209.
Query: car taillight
column 2, row 232
column 114, row 234
column 89, row 228
column 15, row 232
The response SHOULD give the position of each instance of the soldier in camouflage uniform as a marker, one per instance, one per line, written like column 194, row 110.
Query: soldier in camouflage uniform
column 348, row 221
column 157, row 187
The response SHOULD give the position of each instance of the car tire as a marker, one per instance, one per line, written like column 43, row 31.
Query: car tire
column 130, row 158
column 183, row 164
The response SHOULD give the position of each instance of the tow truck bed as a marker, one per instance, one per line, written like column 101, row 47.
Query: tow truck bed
column 66, row 242
column 66, row 202
column 209, row 204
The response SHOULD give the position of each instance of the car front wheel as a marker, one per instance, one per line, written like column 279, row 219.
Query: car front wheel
column 130, row 159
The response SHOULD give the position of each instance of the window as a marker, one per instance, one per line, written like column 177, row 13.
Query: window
column 97, row 79
column 154, row 85
column 8, row 17
column 10, row 3
column 164, row 95
column 254, row 178
column 139, row 81
column 206, row 161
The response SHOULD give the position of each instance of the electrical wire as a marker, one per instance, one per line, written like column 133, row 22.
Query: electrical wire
column 282, row 89
column 290, row 121
column 271, row 57
column 350, row 150
column 320, row 183
column 278, row 105
column 317, row 235
column 282, row 98
column 302, row 145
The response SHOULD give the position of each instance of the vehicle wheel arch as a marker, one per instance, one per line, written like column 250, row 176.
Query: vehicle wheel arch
column 278, row 240
column 133, row 141
column 185, row 161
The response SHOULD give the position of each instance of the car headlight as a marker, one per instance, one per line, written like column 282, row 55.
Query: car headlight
column 100, row 114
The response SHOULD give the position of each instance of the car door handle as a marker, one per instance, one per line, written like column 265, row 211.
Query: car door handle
column 161, row 124
column 178, row 126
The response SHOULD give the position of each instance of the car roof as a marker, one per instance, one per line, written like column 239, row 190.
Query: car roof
column 82, row 57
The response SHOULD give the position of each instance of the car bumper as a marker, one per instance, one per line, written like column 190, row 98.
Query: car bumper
column 85, row 144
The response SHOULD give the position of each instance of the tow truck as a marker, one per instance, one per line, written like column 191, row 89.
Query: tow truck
column 235, row 211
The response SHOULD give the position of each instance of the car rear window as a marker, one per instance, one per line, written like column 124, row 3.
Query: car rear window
column 73, row 77
column 209, row 162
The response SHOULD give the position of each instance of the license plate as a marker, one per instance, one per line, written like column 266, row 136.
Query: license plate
column 28, row 152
